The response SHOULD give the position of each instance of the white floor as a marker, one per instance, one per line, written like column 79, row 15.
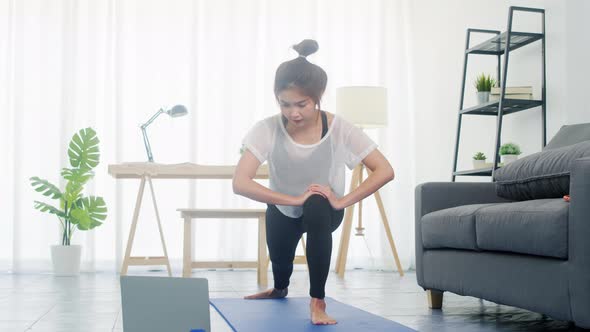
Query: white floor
column 91, row 302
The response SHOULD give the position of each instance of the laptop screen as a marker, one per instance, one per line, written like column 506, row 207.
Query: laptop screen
column 165, row 304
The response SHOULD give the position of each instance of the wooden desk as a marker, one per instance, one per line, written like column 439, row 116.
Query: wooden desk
column 146, row 171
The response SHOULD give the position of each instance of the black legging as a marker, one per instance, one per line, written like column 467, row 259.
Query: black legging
column 283, row 233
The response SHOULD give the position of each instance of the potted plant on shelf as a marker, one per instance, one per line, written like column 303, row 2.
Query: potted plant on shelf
column 479, row 160
column 509, row 152
column 75, row 211
column 484, row 85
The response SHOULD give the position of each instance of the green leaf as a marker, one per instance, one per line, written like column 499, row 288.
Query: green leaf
column 509, row 148
column 77, row 178
column 81, row 218
column 73, row 192
column 89, row 212
column 44, row 207
column 45, row 187
column 79, row 175
column 484, row 82
column 83, row 149
column 479, row 156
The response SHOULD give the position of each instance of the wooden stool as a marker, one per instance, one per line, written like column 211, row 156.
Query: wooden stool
column 263, row 259
column 261, row 264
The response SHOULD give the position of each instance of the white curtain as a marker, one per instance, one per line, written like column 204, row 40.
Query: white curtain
column 71, row 64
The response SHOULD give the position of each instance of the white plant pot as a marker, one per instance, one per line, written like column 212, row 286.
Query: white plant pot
column 479, row 164
column 66, row 260
column 508, row 158
column 483, row 97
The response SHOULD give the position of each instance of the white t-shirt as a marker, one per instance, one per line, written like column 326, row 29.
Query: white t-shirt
column 293, row 166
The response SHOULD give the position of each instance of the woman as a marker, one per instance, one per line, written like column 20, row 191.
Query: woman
column 306, row 149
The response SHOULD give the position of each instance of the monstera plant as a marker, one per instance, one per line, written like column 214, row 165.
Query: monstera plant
column 75, row 211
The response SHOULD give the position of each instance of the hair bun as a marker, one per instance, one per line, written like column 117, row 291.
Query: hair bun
column 306, row 47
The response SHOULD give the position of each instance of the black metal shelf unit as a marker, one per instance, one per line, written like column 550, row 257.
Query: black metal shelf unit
column 498, row 46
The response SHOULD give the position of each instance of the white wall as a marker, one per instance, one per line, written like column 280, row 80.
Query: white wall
column 437, row 40
column 577, row 28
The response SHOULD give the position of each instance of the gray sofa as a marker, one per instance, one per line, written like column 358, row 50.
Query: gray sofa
column 532, row 254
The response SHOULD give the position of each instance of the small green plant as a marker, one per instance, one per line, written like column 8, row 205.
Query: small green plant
column 74, row 209
column 510, row 148
column 484, row 83
column 479, row 156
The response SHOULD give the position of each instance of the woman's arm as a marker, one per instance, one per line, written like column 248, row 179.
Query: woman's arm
column 243, row 184
column 381, row 173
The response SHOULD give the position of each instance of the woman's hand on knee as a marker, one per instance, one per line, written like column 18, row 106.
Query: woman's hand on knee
column 328, row 194
column 299, row 200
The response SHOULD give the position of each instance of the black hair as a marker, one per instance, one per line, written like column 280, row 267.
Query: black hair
column 302, row 74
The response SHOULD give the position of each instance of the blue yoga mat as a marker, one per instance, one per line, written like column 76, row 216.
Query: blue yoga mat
column 292, row 315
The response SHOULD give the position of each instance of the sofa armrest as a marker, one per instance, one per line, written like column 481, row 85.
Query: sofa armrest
column 579, row 241
column 434, row 196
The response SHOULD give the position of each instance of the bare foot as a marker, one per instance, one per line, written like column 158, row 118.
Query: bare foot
column 319, row 316
column 272, row 293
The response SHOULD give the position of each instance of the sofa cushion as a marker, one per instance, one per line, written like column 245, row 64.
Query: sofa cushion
column 541, row 175
column 569, row 135
column 537, row 227
column 451, row 228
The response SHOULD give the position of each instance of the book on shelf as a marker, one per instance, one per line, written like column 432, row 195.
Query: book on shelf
column 525, row 96
column 510, row 90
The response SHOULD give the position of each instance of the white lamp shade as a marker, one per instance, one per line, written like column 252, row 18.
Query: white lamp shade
column 364, row 106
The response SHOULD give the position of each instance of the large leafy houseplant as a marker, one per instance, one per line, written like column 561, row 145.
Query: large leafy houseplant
column 75, row 210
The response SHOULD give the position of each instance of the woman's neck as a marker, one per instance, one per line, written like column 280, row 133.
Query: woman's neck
column 310, row 127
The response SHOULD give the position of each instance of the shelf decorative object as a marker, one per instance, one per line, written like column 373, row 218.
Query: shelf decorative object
column 484, row 84
column 479, row 160
column 517, row 92
column 509, row 152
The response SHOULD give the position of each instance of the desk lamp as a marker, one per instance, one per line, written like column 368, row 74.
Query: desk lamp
column 176, row 111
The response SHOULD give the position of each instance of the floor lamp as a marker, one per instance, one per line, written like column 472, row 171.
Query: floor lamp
column 366, row 107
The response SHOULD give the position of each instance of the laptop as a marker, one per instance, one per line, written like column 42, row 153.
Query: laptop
column 165, row 304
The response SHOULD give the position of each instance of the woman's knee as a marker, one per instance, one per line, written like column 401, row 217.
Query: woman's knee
column 316, row 202
column 317, row 214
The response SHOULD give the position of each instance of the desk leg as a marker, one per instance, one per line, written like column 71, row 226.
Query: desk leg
column 187, row 258
column 160, row 227
column 133, row 227
column 262, row 259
